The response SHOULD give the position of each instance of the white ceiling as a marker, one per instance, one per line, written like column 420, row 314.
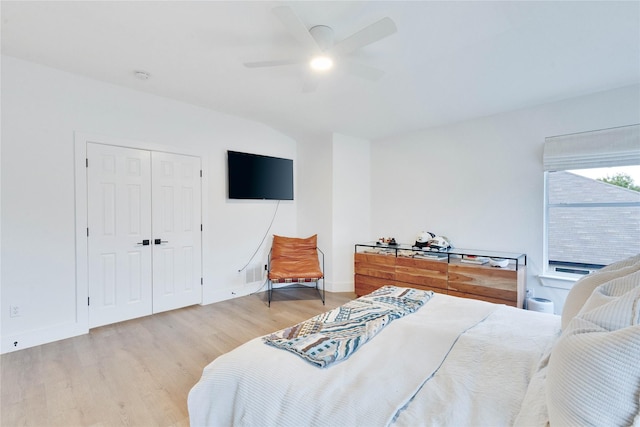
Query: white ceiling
column 449, row 61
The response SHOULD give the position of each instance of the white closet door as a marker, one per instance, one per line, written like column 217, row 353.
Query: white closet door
column 119, row 209
column 177, row 259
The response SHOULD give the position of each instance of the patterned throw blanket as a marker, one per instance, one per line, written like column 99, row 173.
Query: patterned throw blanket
column 335, row 335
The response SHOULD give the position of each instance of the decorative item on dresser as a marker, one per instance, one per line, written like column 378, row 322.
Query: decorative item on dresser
column 459, row 272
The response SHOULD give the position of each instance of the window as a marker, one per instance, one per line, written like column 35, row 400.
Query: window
column 592, row 203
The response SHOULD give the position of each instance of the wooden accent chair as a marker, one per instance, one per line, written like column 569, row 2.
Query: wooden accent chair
column 295, row 260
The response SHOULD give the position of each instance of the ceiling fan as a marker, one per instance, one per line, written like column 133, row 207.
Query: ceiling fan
column 322, row 52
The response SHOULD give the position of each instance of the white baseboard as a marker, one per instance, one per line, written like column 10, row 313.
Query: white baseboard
column 251, row 288
column 233, row 292
column 11, row 343
column 340, row 286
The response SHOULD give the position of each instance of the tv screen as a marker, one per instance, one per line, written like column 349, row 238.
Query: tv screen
column 252, row 176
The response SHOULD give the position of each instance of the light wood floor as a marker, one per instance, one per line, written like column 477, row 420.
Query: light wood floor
column 139, row 372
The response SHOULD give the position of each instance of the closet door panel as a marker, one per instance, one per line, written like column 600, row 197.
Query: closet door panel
column 119, row 219
column 176, row 218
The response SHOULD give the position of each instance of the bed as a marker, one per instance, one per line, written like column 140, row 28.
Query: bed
column 451, row 361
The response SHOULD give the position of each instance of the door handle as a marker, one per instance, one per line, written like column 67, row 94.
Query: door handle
column 158, row 241
column 145, row 242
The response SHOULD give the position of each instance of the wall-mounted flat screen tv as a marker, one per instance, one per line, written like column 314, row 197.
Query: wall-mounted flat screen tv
column 252, row 176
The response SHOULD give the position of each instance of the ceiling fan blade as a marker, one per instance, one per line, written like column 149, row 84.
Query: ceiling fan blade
column 296, row 28
column 276, row 63
column 366, row 72
column 370, row 34
column 309, row 85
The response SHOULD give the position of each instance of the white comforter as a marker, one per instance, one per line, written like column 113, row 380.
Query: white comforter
column 453, row 362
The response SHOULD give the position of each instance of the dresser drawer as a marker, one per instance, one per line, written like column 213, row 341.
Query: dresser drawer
column 512, row 303
column 426, row 273
column 490, row 282
column 381, row 266
column 367, row 284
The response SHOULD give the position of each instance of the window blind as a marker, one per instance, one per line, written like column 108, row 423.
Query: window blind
column 618, row 146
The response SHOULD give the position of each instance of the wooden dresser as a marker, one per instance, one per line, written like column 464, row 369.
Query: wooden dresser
column 451, row 274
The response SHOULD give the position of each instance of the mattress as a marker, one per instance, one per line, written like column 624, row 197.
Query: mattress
column 455, row 361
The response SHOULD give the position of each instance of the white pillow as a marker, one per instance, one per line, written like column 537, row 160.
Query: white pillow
column 583, row 288
column 594, row 369
column 609, row 292
column 622, row 263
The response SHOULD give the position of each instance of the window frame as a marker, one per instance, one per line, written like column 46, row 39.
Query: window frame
column 585, row 268
column 618, row 146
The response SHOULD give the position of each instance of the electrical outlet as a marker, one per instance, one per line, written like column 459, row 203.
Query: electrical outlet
column 14, row 311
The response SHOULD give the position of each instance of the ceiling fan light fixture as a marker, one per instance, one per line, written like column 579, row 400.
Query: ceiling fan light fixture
column 321, row 63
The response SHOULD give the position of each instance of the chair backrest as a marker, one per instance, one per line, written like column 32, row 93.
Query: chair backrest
column 294, row 248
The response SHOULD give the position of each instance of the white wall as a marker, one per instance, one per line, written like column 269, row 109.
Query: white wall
column 335, row 200
column 315, row 199
column 480, row 182
column 41, row 110
column 351, row 213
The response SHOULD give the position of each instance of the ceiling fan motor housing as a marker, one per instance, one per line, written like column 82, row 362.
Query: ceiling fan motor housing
column 323, row 35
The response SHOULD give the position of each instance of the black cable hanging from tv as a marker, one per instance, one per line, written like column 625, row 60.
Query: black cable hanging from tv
column 263, row 237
